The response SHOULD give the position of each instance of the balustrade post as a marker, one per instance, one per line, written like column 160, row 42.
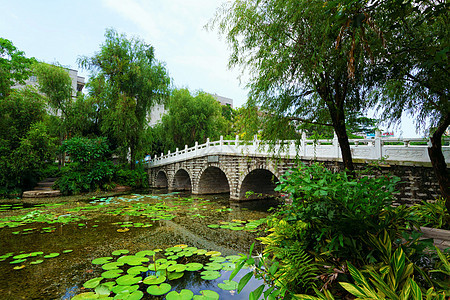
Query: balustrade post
column 336, row 145
column 221, row 140
column 195, row 148
column 255, row 143
column 378, row 145
column 303, row 143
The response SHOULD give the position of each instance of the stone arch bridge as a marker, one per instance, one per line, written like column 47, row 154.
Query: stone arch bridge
column 249, row 170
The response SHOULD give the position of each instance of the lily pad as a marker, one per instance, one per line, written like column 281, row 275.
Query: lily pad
column 145, row 253
column 18, row 261
column 176, row 268
column 228, row 266
column 213, row 253
column 200, row 251
column 51, row 255
column 152, row 279
column 210, row 275
column 102, row 290
column 93, row 283
column 101, row 260
column 193, row 266
column 112, row 265
column 218, row 259
column 158, row 290
column 120, row 252
column 213, row 266
column 86, row 296
column 228, row 285
column 213, row 226
column 132, row 260
column 175, row 275
column 182, row 295
column 137, row 270
column 207, row 295
column 233, row 258
column 21, row 256
column 136, row 295
column 128, row 279
column 67, row 251
column 19, row 267
column 37, row 262
column 119, row 289
column 112, row 273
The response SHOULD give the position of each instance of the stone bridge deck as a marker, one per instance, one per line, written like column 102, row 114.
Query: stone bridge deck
column 250, row 169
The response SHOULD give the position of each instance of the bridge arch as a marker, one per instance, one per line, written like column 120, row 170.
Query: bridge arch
column 161, row 180
column 258, row 183
column 181, row 181
column 212, row 180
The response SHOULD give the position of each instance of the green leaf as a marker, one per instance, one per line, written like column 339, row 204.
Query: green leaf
column 244, row 280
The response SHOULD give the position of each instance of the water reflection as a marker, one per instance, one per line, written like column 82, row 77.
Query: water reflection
column 95, row 235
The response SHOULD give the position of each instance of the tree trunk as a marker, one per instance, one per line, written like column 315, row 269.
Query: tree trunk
column 438, row 160
column 338, row 119
column 132, row 157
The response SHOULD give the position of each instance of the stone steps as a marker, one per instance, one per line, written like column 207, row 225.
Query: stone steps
column 42, row 190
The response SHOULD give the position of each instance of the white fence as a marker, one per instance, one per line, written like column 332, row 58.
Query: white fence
column 399, row 151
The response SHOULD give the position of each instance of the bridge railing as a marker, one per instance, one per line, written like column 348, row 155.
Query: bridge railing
column 403, row 150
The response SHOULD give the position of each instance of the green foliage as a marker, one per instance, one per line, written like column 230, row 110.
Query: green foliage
column 190, row 118
column 137, row 179
column 127, row 81
column 432, row 214
column 25, row 144
column 90, row 168
column 14, row 67
column 332, row 203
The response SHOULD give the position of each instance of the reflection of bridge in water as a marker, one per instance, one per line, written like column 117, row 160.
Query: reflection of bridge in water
column 249, row 169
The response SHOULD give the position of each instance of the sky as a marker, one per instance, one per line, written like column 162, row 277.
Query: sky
column 61, row 31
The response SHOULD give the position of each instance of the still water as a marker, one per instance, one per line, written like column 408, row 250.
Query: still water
column 47, row 248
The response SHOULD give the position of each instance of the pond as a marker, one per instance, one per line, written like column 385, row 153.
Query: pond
column 135, row 246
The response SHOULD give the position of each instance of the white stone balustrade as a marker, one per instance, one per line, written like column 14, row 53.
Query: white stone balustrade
column 396, row 151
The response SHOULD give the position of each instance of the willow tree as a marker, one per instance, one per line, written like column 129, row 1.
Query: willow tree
column 134, row 81
column 303, row 58
column 414, row 76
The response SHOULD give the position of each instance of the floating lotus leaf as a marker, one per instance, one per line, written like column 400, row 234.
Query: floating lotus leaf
column 228, row 266
column 123, row 229
column 109, row 284
column 182, row 246
column 200, row 251
column 233, row 258
column 190, row 249
column 152, row 279
column 173, row 257
column 18, row 261
column 37, row 253
column 175, row 275
column 67, row 251
column 137, row 270
column 19, row 267
column 174, row 249
column 213, row 226
column 228, row 285
column 120, row 289
column 136, row 295
column 120, row 252
column 81, row 225
column 225, row 226
column 217, row 259
column 182, row 295
column 101, row 260
column 145, row 253
column 176, row 268
column 157, row 250
column 21, row 256
column 37, row 262
column 132, row 260
column 213, row 253
column 210, row 275
column 193, row 266
column 128, row 279
column 112, row 265
column 93, row 283
column 213, row 266
column 158, row 290
column 161, row 260
column 102, row 290
column 126, row 225
column 86, row 296
column 236, row 228
column 207, row 295
column 112, row 273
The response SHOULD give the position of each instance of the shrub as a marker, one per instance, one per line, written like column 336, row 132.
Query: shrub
column 432, row 214
column 137, row 179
